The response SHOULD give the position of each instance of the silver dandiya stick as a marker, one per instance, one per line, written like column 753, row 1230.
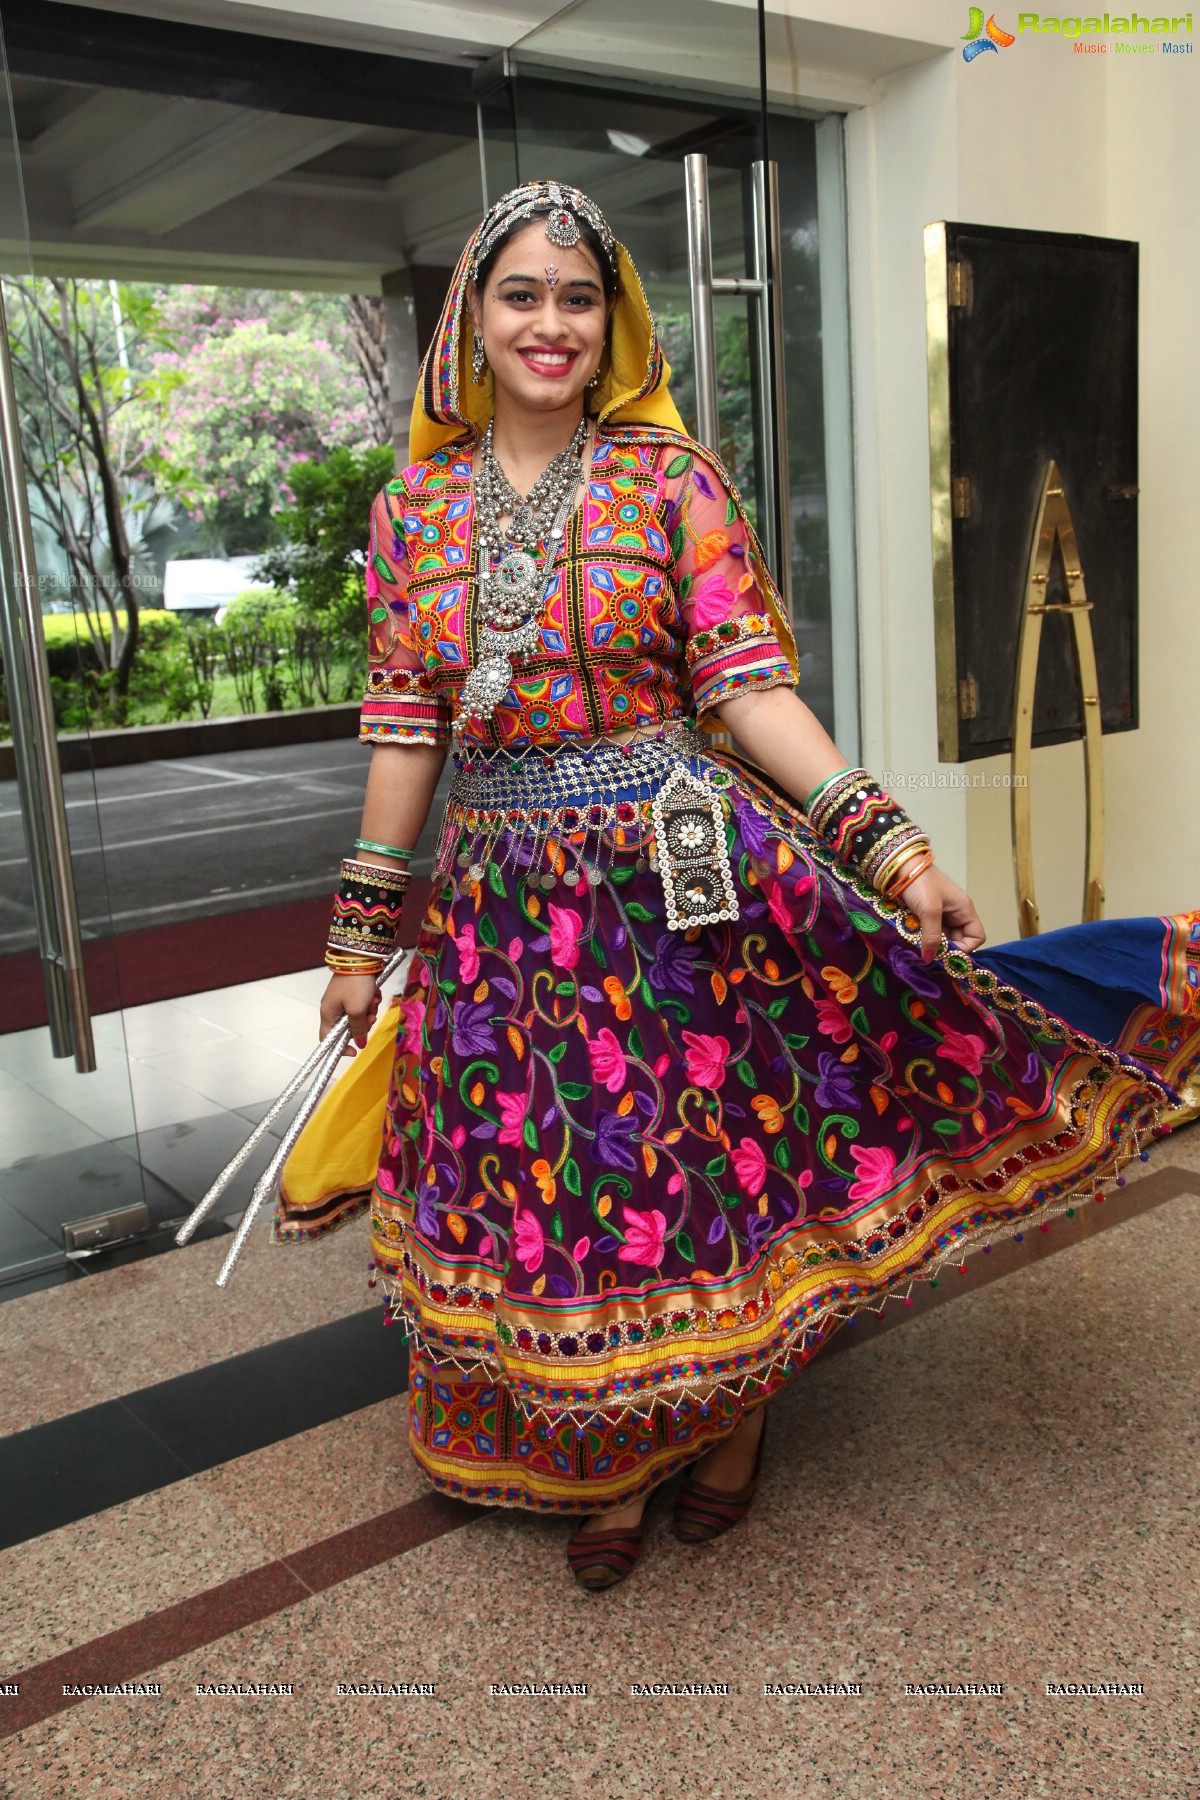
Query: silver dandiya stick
column 321, row 1064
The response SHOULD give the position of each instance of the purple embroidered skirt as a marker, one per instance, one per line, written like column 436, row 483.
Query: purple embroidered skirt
column 632, row 1178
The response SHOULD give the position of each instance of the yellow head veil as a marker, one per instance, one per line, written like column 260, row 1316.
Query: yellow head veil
column 632, row 399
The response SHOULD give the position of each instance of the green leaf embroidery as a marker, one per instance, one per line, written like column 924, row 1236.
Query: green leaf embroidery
column 746, row 1073
column 948, row 1127
column 678, row 540
column 859, row 1020
column 636, row 1047
column 685, row 587
column 573, row 1090
column 679, row 465
column 556, row 1224
column 777, row 1007
column 487, row 932
column 783, row 1155
column 800, row 1114
column 683, row 1244
column 570, row 1175
column 862, row 921
column 637, row 911
column 496, row 881
column 717, row 1166
column 794, row 1040
column 378, row 614
column 879, row 981
column 530, row 1134
column 730, row 512
column 557, row 1053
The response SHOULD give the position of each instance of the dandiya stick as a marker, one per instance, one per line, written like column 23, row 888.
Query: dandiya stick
column 321, row 1064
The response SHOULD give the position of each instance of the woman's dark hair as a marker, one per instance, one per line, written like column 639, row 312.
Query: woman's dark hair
column 586, row 232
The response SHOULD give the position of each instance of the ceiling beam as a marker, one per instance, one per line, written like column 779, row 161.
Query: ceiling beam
column 200, row 154
column 95, row 48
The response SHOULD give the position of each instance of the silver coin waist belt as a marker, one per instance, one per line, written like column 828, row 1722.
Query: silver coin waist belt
column 566, row 813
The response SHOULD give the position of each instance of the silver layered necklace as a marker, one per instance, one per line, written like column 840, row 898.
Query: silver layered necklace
column 512, row 594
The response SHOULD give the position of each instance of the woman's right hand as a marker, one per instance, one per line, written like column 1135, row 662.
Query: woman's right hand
column 353, row 997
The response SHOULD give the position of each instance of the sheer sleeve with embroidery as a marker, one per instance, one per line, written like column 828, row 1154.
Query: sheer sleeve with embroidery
column 731, row 644
column 401, row 705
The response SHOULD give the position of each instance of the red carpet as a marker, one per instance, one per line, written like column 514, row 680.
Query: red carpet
column 165, row 961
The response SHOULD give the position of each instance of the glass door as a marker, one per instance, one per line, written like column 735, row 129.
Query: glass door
column 65, row 1089
column 716, row 198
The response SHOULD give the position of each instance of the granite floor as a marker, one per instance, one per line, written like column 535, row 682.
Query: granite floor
column 996, row 1485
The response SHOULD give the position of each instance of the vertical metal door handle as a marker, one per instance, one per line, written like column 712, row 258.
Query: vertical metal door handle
column 765, row 287
column 35, row 745
column 700, row 281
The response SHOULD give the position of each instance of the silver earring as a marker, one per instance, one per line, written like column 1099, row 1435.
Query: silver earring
column 478, row 360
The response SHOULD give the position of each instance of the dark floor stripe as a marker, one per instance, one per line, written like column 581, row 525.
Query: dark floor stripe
column 133, row 1652
column 69, row 1468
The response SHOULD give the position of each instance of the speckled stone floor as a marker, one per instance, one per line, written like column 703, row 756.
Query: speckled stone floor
column 997, row 1486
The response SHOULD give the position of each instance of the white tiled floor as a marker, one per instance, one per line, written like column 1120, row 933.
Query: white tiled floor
column 158, row 1065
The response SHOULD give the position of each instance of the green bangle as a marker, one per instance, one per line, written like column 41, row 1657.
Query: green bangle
column 383, row 849
column 822, row 785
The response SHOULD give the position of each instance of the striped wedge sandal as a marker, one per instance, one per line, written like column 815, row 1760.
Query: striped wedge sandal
column 599, row 1559
column 703, row 1512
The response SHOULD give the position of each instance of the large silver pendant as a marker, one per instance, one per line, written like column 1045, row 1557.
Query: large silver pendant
column 514, row 583
column 691, row 852
column 491, row 678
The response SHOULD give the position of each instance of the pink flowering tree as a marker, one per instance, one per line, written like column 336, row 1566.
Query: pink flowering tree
column 237, row 412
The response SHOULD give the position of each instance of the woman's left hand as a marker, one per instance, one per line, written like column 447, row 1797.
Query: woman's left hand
column 942, row 906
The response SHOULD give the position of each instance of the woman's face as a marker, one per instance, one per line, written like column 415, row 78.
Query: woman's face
column 542, row 317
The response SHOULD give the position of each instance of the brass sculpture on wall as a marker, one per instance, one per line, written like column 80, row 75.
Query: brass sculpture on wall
column 1032, row 364
column 1053, row 524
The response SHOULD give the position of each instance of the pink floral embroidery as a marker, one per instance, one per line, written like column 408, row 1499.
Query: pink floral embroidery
column 778, row 908
column 565, row 927
column 832, row 1021
column 750, row 1165
column 706, row 1058
column 512, row 1116
column 608, row 1059
column 530, row 1242
column 468, row 953
column 412, row 1012
column 372, row 581
column 962, row 1047
column 876, row 1166
column 643, row 1236
column 714, row 598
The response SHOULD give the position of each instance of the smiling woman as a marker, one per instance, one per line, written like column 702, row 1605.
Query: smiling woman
column 688, row 1070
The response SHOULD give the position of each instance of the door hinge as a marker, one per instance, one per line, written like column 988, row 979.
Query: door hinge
column 968, row 697
column 960, row 496
column 958, row 283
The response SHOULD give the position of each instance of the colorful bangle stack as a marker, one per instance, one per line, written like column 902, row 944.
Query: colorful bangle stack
column 866, row 828
column 366, row 917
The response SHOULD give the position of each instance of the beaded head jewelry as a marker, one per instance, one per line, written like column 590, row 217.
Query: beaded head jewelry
column 563, row 207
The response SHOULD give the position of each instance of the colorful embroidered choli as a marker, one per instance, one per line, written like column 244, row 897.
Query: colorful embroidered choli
column 657, row 607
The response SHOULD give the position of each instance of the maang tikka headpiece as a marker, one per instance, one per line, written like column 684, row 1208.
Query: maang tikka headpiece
column 563, row 207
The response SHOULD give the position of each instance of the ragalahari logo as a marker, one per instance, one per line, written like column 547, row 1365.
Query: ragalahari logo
column 980, row 37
